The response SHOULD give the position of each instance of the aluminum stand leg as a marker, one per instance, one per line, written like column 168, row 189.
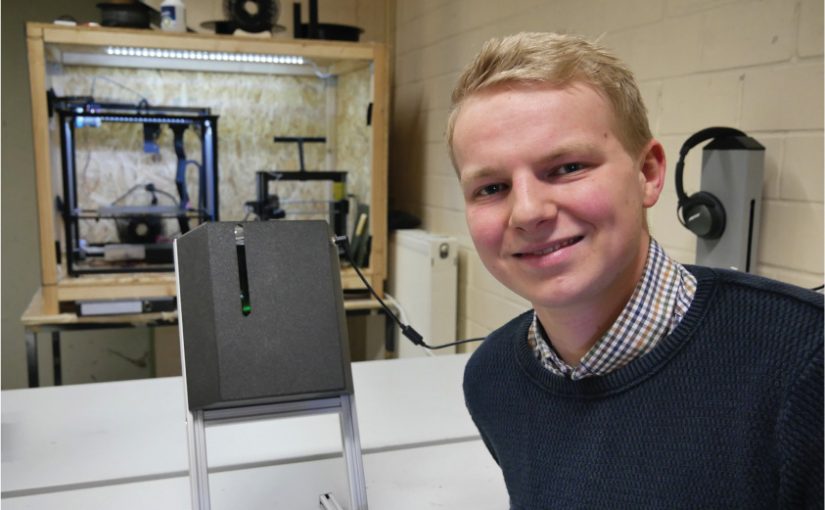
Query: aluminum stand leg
column 344, row 405
column 352, row 453
column 198, row 463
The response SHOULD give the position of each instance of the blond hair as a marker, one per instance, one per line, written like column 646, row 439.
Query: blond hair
column 556, row 60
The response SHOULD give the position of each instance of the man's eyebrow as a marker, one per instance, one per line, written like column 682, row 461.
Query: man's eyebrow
column 577, row 149
column 567, row 150
column 479, row 173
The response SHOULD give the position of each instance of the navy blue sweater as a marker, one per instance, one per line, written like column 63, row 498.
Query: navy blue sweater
column 725, row 412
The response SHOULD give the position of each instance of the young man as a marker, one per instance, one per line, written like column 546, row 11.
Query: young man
column 635, row 382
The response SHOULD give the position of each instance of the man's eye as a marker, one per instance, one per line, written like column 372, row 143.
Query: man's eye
column 490, row 189
column 569, row 168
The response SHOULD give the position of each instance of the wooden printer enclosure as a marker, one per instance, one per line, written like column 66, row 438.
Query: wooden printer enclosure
column 339, row 92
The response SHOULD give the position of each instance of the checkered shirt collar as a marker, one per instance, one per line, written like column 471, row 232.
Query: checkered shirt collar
column 660, row 300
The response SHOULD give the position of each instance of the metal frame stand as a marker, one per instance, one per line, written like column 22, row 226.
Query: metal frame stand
column 33, row 362
column 343, row 405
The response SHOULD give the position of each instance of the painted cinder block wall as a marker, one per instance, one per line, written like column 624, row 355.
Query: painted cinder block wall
column 756, row 65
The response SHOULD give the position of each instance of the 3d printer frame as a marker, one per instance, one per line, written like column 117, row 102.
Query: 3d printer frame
column 268, row 206
column 80, row 113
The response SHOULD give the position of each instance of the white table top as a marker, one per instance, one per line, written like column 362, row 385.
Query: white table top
column 133, row 432
column 450, row 476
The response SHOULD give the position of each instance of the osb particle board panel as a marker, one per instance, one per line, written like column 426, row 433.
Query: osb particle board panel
column 354, row 135
column 253, row 109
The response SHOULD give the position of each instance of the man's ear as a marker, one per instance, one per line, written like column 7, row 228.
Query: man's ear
column 652, row 172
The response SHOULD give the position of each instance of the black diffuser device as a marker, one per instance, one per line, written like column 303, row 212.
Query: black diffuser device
column 261, row 314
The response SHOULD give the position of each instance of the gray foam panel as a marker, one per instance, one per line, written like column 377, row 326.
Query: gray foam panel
column 292, row 345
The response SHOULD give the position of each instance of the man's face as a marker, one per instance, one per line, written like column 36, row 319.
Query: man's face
column 554, row 202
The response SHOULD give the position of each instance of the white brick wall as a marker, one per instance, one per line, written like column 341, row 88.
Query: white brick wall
column 752, row 64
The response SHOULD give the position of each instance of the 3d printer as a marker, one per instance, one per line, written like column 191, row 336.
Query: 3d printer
column 268, row 206
column 140, row 246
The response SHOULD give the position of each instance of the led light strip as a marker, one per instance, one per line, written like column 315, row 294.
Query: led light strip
column 133, row 119
column 216, row 56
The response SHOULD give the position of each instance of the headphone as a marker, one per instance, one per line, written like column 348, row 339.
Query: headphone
column 701, row 213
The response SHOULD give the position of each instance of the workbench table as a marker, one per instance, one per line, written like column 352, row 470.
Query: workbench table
column 123, row 445
column 42, row 316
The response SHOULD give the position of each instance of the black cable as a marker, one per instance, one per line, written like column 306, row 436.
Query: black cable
column 129, row 192
column 150, row 187
column 817, row 289
column 143, row 101
column 162, row 192
column 408, row 331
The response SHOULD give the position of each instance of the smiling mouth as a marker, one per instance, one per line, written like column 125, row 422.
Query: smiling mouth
column 552, row 248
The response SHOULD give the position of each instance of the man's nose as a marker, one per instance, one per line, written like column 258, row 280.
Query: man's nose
column 532, row 203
